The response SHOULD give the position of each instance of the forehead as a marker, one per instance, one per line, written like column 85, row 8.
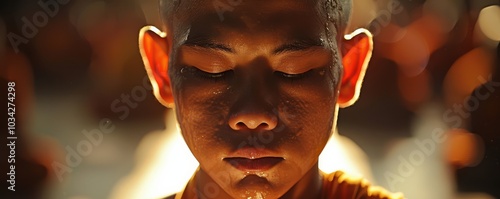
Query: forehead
column 203, row 7
column 262, row 6
column 286, row 18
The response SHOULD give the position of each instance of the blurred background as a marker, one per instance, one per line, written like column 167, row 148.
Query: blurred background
column 427, row 123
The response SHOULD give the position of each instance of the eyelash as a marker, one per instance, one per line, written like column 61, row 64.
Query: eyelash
column 293, row 77
column 206, row 75
column 225, row 74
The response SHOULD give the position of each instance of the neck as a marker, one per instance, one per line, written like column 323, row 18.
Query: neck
column 307, row 187
column 202, row 186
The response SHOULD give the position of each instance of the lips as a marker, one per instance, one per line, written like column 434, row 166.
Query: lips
column 251, row 159
column 258, row 164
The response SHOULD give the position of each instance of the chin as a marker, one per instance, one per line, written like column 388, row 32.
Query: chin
column 255, row 187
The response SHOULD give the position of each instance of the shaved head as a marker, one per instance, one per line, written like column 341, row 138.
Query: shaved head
column 334, row 11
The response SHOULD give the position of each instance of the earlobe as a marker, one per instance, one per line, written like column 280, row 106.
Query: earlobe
column 153, row 45
column 356, row 53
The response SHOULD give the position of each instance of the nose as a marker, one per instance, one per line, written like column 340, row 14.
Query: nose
column 253, row 121
column 255, row 98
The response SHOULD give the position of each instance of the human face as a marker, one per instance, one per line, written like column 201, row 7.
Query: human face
column 255, row 93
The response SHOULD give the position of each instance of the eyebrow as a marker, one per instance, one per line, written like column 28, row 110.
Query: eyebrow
column 298, row 45
column 293, row 46
column 207, row 43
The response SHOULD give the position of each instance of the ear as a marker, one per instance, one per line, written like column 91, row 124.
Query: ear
column 356, row 53
column 154, row 48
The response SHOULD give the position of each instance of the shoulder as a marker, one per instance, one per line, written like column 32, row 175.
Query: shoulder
column 341, row 185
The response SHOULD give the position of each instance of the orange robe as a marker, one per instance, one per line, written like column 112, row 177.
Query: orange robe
column 342, row 186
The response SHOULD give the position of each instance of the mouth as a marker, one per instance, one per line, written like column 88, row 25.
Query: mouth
column 254, row 165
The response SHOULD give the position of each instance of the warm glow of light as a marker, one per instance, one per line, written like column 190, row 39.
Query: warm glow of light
column 411, row 52
column 341, row 153
column 466, row 74
column 164, row 166
column 464, row 148
column 488, row 22
column 415, row 90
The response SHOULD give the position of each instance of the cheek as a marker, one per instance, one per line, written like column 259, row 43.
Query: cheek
column 309, row 111
column 201, row 112
column 311, row 104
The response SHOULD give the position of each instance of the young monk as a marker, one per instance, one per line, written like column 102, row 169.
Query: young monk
column 256, row 86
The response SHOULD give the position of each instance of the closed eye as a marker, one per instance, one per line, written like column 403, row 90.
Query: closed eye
column 213, row 75
column 207, row 75
column 292, row 76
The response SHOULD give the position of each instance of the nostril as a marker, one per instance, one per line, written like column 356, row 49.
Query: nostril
column 251, row 125
column 252, row 122
column 240, row 125
column 264, row 126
